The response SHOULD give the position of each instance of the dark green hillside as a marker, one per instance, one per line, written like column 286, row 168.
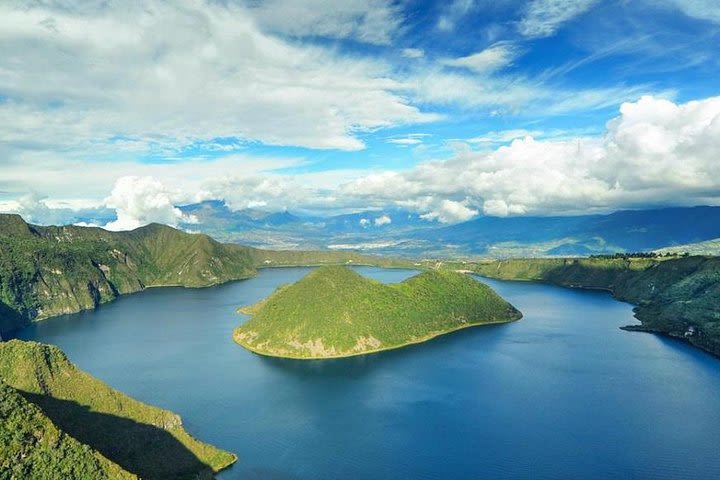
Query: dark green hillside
column 142, row 439
column 335, row 312
column 32, row 447
column 47, row 271
column 676, row 296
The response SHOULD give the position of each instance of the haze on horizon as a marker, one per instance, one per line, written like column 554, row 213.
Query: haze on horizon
column 447, row 109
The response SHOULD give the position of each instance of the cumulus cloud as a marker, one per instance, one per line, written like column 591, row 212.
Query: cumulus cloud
column 40, row 210
column 139, row 201
column 542, row 18
column 382, row 220
column 655, row 152
column 449, row 211
column 364, row 222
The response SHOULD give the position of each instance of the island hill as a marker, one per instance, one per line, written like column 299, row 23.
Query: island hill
column 336, row 312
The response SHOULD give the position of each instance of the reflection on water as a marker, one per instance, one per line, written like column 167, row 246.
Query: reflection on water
column 563, row 393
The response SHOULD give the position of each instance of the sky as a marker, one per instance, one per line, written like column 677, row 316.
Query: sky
column 450, row 109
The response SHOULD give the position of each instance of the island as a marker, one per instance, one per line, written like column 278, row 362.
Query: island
column 335, row 312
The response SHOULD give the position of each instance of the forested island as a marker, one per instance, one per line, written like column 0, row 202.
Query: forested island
column 57, row 421
column 336, row 312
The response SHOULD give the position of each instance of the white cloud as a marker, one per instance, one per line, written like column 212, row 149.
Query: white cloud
column 405, row 141
column 493, row 58
column 655, row 152
column 701, row 9
column 382, row 220
column 454, row 11
column 504, row 136
column 410, row 139
column 369, row 21
column 364, row 222
column 139, row 201
column 413, row 53
column 449, row 211
column 542, row 18
column 64, row 178
column 173, row 73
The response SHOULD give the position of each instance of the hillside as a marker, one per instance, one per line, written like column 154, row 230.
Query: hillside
column 145, row 440
column 47, row 271
column 675, row 296
column 32, row 447
column 335, row 312
column 707, row 247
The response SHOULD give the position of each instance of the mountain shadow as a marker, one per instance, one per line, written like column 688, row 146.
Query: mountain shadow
column 145, row 450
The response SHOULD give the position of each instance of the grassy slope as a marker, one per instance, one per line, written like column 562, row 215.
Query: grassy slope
column 671, row 294
column 33, row 448
column 144, row 440
column 334, row 311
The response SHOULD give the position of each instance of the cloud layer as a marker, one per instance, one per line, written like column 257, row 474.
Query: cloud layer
column 178, row 72
column 655, row 152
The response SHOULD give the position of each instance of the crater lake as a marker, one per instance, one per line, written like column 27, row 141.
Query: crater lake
column 562, row 393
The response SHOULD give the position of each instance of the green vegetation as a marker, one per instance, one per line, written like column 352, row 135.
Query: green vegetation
column 33, row 448
column 145, row 440
column 335, row 312
column 47, row 271
column 677, row 296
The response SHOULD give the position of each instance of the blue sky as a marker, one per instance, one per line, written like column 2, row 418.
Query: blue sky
column 450, row 109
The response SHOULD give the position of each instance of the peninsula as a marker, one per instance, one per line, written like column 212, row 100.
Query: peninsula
column 336, row 312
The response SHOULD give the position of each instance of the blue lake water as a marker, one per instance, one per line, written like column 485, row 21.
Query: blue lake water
column 563, row 393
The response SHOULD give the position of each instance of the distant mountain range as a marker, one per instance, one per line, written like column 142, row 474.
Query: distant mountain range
column 400, row 232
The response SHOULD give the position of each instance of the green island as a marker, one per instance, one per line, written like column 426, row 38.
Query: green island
column 676, row 296
column 57, row 421
column 335, row 312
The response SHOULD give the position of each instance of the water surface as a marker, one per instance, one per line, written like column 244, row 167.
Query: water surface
column 562, row 393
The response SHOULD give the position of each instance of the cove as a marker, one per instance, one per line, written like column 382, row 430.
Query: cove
column 562, row 393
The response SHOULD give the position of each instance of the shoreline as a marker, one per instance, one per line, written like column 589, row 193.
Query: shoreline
column 642, row 327
column 370, row 352
column 42, row 318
